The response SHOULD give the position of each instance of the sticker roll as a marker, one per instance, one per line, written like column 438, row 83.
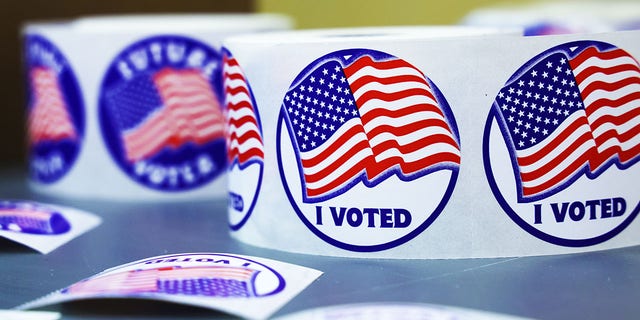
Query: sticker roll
column 129, row 107
column 416, row 143
column 546, row 18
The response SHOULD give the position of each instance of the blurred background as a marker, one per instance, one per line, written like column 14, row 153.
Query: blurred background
column 306, row 14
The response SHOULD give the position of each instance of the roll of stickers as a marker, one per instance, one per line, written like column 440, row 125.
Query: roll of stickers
column 433, row 142
column 128, row 107
column 547, row 18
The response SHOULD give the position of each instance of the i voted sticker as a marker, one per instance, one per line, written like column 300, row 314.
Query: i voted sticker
column 55, row 111
column 245, row 144
column 368, row 149
column 567, row 123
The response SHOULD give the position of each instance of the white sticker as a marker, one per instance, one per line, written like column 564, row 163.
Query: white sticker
column 43, row 227
column 384, row 311
column 245, row 286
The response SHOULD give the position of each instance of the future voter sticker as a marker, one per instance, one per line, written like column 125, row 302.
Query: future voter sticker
column 245, row 146
column 198, row 275
column 368, row 149
column 562, row 142
column 55, row 111
column 160, row 113
column 31, row 218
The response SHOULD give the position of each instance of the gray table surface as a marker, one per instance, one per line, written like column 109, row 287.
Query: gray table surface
column 598, row 285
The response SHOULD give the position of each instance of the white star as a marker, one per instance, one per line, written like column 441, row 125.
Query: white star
column 520, row 83
column 545, row 132
column 336, row 68
column 313, row 79
column 549, row 64
column 333, row 76
column 325, row 71
column 534, row 73
column 545, row 74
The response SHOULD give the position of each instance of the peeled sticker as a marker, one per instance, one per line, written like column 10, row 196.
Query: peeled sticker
column 43, row 227
column 390, row 310
column 245, row 286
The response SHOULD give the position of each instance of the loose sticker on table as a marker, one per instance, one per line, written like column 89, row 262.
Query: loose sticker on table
column 246, row 286
column 160, row 113
column 55, row 111
column 360, row 125
column 43, row 227
column 245, row 145
column 568, row 124
column 395, row 310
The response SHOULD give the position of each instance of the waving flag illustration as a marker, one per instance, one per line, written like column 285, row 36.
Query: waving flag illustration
column 244, row 141
column 33, row 221
column 166, row 110
column 365, row 121
column 212, row 281
column 48, row 119
column 573, row 112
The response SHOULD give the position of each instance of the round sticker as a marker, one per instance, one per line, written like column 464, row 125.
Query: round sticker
column 31, row 218
column 368, row 149
column 55, row 111
column 245, row 147
column 568, row 125
column 160, row 113
column 207, row 275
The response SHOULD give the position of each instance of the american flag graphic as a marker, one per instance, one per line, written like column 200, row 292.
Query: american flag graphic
column 166, row 109
column 33, row 221
column 48, row 119
column 244, row 141
column 572, row 112
column 212, row 281
column 371, row 119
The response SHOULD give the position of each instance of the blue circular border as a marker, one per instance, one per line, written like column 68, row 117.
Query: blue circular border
column 110, row 133
column 505, row 205
column 246, row 217
column 72, row 95
column 394, row 243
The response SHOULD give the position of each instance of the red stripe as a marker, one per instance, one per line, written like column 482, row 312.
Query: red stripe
column 586, row 72
column 594, row 52
column 559, row 159
column 563, row 175
column 553, row 143
column 232, row 136
column 606, row 86
column 600, row 103
column 390, row 97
